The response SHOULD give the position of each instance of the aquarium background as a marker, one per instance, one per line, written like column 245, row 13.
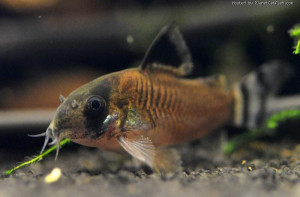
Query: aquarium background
column 48, row 48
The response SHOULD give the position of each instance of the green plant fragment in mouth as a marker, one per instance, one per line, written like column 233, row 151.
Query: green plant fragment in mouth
column 39, row 157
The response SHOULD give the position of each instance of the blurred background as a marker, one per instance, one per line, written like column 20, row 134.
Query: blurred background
column 48, row 48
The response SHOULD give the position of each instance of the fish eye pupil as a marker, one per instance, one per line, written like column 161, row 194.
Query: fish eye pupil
column 95, row 104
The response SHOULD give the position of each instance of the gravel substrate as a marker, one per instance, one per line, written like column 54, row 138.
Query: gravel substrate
column 260, row 168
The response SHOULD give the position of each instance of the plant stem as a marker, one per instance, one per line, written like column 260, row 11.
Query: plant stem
column 37, row 158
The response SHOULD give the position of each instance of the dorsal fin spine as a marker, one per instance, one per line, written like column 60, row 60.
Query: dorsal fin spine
column 168, row 50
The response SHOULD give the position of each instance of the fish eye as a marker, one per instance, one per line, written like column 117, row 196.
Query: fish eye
column 95, row 104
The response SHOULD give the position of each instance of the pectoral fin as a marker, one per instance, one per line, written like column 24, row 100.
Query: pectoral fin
column 142, row 148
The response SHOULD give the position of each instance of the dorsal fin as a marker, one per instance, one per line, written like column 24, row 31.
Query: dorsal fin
column 168, row 52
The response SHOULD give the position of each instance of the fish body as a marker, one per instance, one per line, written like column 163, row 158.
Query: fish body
column 166, row 109
column 142, row 109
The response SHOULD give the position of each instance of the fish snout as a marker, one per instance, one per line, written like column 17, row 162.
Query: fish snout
column 54, row 135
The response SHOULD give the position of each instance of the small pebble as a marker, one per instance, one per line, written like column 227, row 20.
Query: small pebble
column 251, row 167
column 53, row 176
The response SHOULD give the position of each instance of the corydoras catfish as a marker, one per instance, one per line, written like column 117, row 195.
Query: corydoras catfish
column 142, row 110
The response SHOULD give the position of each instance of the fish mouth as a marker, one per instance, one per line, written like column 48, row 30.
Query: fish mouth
column 50, row 134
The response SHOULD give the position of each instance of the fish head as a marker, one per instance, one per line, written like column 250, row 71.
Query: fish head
column 84, row 115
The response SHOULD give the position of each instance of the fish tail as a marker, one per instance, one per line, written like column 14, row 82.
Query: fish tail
column 254, row 93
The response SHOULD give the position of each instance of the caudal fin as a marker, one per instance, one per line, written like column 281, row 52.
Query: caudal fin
column 254, row 92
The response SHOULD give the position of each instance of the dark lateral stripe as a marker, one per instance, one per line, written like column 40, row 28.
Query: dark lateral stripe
column 162, row 118
column 158, row 93
column 151, row 92
column 141, row 91
column 175, row 99
column 136, row 84
column 145, row 95
column 137, row 90
column 169, row 98
column 152, row 122
column 154, row 114
column 164, row 97
column 157, row 112
column 245, row 95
